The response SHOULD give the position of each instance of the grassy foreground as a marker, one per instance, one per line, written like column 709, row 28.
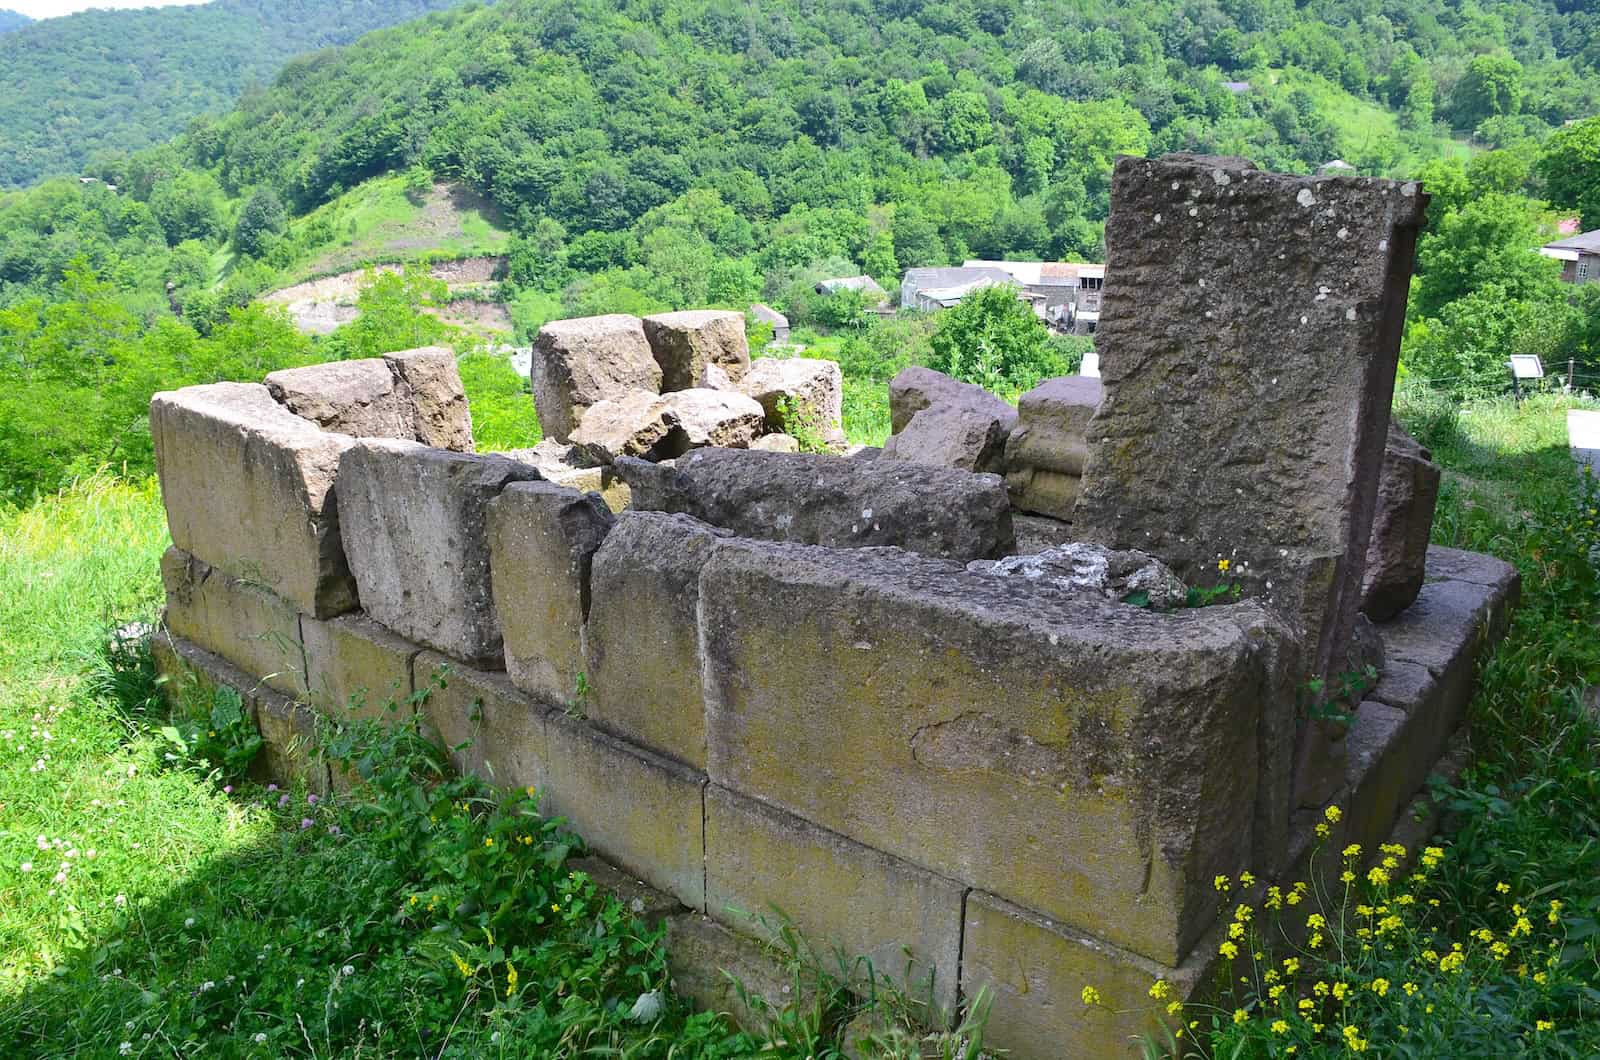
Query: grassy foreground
column 147, row 910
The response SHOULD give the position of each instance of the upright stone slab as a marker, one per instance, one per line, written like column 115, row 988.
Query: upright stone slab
column 643, row 636
column 1091, row 760
column 815, row 499
column 1398, row 554
column 1248, row 343
column 248, row 488
column 416, row 519
column 579, row 363
column 415, row 395
column 686, row 344
column 542, row 541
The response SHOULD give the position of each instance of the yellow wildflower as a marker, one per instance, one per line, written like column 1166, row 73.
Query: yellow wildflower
column 1223, row 565
column 511, row 979
column 1091, row 996
column 1228, row 950
column 1502, row 887
column 1545, row 1025
column 1280, row 1027
column 1353, row 850
column 1160, row 989
column 1240, row 1015
column 465, row 968
column 1221, row 883
column 1380, row 986
column 1332, row 814
column 1174, row 1008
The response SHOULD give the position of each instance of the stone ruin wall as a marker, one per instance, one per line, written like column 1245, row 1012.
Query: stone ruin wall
column 764, row 679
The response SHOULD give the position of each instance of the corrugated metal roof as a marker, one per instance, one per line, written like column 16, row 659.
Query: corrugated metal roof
column 1588, row 242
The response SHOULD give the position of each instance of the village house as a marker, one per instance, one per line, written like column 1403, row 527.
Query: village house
column 1579, row 256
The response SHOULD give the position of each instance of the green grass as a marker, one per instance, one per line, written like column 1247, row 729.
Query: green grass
column 200, row 914
column 1522, row 823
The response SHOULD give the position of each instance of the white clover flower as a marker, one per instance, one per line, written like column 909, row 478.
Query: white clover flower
column 347, row 970
column 125, row 1049
column 120, row 901
column 261, row 1037
column 26, row 866
column 189, row 923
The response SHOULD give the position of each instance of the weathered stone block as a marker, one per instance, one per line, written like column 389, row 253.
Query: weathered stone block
column 643, row 636
column 194, row 674
column 438, row 399
column 706, row 960
column 686, row 344
column 917, row 388
column 834, row 891
column 638, row 810
column 777, row 443
column 579, row 363
column 1052, row 420
column 414, row 395
column 289, row 737
column 1248, row 352
column 818, row 499
column 489, row 727
column 359, row 398
column 1390, row 756
column 1036, row 971
column 250, row 627
column 638, row 423
column 415, row 520
column 1103, row 760
column 248, row 488
column 1053, row 494
column 1036, row 533
column 1397, row 555
column 814, row 388
column 716, row 417
column 355, row 665
column 952, row 436
column 542, row 540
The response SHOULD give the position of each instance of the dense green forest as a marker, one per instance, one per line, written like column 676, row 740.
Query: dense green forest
column 74, row 87
column 654, row 154
column 10, row 20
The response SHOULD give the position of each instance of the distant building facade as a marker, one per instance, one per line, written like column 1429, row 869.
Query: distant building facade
column 1068, row 292
column 865, row 284
column 768, row 315
column 1579, row 256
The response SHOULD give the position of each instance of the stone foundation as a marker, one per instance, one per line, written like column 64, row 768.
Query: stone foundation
column 797, row 684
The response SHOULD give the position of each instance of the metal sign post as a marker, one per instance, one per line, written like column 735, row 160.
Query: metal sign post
column 1524, row 366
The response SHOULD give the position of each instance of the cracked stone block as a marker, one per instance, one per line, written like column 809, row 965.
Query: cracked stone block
column 489, row 727
column 249, row 488
column 415, row 395
column 1035, row 970
column 356, row 666
column 814, row 498
column 640, row 811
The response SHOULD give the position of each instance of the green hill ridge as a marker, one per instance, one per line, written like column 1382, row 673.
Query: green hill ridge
column 80, row 85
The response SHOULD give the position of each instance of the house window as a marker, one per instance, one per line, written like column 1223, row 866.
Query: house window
column 1093, row 283
column 1583, row 269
